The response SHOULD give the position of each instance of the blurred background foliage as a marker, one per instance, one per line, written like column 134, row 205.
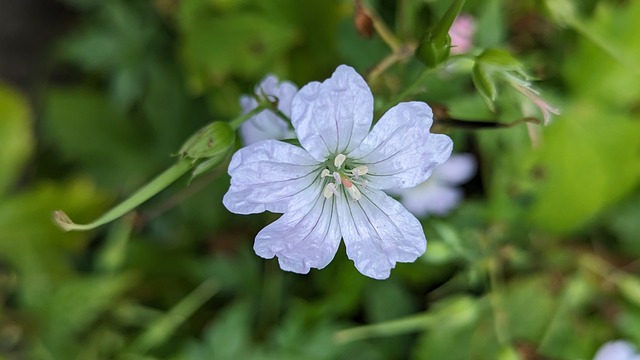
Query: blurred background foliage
column 539, row 262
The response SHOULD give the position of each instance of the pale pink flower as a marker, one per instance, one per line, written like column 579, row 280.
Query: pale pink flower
column 461, row 33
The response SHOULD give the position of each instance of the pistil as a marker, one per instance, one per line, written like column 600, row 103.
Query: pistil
column 346, row 177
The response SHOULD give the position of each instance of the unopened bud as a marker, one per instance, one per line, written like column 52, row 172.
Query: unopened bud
column 213, row 140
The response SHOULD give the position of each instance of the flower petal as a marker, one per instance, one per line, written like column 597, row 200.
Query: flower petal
column 267, row 125
column 264, row 126
column 459, row 169
column 378, row 232
column 400, row 151
column 334, row 116
column 619, row 349
column 271, row 176
column 430, row 198
column 303, row 239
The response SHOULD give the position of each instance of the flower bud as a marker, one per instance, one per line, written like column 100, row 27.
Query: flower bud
column 213, row 140
column 435, row 45
column 432, row 52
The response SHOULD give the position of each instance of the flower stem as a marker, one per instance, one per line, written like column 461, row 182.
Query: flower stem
column 409, row 90
column 143, row 194
column 235, row 123
column 157, row 333
column 383, row 30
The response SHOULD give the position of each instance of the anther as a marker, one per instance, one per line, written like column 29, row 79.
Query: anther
column 354, row 192
column 337, row 178
column 339, row 160
column 325, row 173
column 329, row 190
column 359, row 171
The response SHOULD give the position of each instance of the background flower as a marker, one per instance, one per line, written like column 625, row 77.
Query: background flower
column 266, row 124
column 461, row 32
column 440, row 193
column 617, row 350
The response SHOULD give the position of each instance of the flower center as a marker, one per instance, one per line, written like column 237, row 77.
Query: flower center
column 345, row 175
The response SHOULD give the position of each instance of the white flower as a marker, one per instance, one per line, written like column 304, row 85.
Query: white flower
column 331, row 187
column 440, row 193
column 266, row 124
column 617, row 350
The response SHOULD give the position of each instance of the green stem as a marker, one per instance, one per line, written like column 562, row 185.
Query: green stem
column 497, row 303
column 235, row 123
column 412, row 89
column 409, row 90
column 389, row 328
column 282, row 116
column 143, row 194
column 163, row 328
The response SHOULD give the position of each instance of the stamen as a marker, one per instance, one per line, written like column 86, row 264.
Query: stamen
column 339, row 160
column 325, row 173
column 329, row 190
column 354, row 192
column 336, row 177
column 359, row 171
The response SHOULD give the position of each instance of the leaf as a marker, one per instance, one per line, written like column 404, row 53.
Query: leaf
column 82, row 125
column 243, row 44
column 73, row 306
column 15, row 135
column 30, row 241
column 590, row 160
column 592, row 72
column 527, row 323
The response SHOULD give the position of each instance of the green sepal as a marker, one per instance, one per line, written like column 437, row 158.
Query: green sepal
column 435, row 46
column 206, row 166
column 433, row 52
column 500, row 58
column 213, row 140
column 441, row 29
column 484, row 83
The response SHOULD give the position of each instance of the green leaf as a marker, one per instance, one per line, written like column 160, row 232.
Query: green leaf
column 527, row 323
column 243, row 44
column 228, row 337
column 606, row 64
column 73, row 306
column 15, row 135
column 570, row 334
column 87, row 129
column 472, row 339
column 491, row 24
column 31, row 242
column 164, row 327
column 590, row 160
